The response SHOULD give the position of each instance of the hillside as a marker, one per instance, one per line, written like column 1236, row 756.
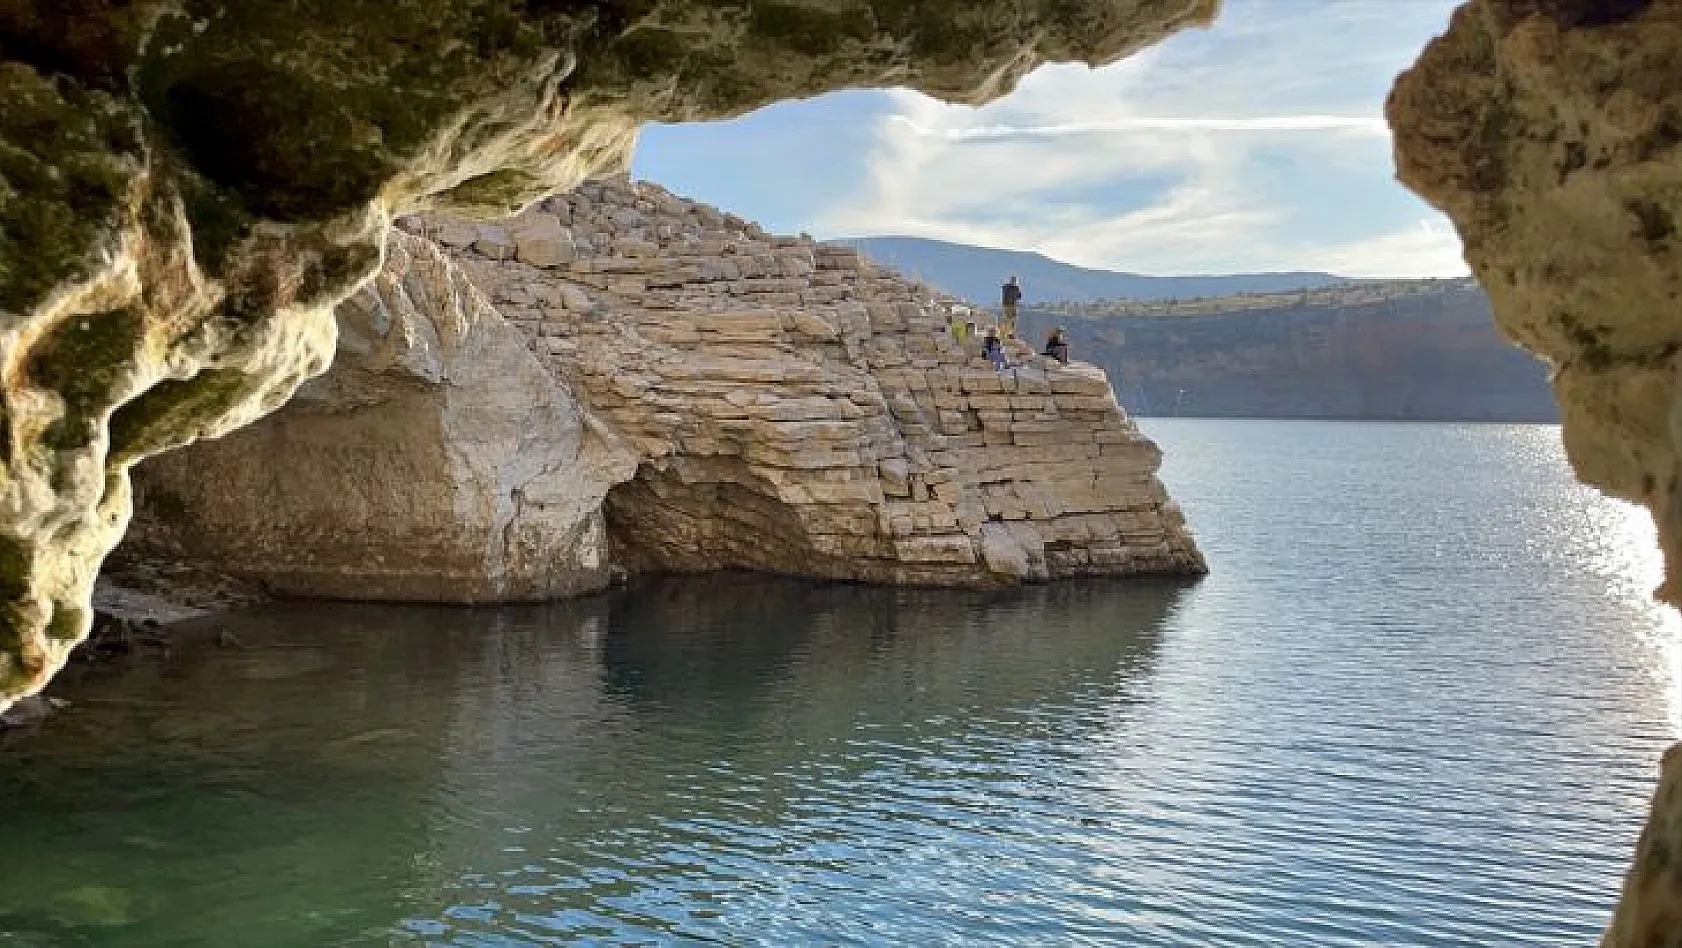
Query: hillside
column 1405, row 349
column 975, row 273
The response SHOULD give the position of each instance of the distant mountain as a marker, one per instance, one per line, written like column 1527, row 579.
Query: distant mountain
column 975, row 273
column 1397, row 349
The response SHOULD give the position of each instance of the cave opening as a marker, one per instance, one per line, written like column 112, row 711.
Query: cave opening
column 701, row 516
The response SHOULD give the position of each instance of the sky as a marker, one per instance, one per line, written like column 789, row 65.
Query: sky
column 1258, row 144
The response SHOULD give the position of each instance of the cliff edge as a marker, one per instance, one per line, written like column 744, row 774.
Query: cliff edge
column 621, row 377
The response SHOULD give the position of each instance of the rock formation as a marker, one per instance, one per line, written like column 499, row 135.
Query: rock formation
column 1551, row 132
column 188, row 188
column 731, row 398
column 439, row 460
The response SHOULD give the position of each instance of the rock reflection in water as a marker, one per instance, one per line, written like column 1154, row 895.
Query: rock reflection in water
column 716, row 757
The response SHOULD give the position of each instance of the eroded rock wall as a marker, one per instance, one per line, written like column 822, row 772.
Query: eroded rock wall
column 1551, row 132
column 439, row 461
column 188, row 188
column 747, row 400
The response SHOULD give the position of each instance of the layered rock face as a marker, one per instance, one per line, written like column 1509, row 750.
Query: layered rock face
column 727, row 397
column 1552, row 133
column 188, row 188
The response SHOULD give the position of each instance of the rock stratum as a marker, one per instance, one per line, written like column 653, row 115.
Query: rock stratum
column 189, row 187
column 620, row 377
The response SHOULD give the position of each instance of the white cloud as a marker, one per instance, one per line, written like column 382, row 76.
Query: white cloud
column 1256, row 145
column 1429, row 249
column 1143, row 123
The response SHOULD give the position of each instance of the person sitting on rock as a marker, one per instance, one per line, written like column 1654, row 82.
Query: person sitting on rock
column 960, row 330
column 1057, row 345
column 993, row 349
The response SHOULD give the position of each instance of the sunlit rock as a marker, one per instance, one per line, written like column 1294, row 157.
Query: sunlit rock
column 812, row 415
column 439, row 461
column 188, row 188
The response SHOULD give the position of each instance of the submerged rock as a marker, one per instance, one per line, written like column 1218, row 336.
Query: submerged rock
column 31, row 711
column 694, row 396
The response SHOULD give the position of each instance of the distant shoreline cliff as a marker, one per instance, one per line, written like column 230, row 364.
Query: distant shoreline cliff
column 1402, row 350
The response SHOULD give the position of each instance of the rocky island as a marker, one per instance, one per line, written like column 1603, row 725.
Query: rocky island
column 620, row 378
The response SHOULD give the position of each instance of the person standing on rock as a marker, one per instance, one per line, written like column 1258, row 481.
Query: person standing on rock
column 1011, row 294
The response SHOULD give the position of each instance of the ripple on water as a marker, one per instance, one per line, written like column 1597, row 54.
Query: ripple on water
column 1400, row 711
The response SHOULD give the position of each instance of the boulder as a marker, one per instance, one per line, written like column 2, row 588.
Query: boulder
column 1002, row 553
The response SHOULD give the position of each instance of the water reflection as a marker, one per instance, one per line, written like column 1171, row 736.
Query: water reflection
column 1480, row 680
column 601, row 767
column 1623, row 549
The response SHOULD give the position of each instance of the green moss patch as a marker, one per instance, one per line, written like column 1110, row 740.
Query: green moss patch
column 68, row 623
column 302, row 110
column 66, row 159
column 82, row 360
column 172, row 412
column 506, row 189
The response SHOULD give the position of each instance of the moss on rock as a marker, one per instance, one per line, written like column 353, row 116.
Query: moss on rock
column 170, row 411
column 67, row 159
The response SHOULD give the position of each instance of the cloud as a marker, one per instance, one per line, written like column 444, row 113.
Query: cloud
column 1364, row 125
column 1431, row 249
column 1255, row 145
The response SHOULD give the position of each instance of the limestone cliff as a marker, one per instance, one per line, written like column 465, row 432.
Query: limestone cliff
column 726, row 397
column 439, row 460
column 188, row 188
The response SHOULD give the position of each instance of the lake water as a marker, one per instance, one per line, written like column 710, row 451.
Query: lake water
column 1419, row 701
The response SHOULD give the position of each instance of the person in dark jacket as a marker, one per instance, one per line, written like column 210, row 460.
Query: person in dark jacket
column 1010, row 294
column 1057, row 345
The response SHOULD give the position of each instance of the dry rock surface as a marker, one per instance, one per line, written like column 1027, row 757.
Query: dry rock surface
column 621, row 377
column 440, row 460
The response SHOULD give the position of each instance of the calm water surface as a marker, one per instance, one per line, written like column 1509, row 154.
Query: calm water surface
column 1418, row 702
